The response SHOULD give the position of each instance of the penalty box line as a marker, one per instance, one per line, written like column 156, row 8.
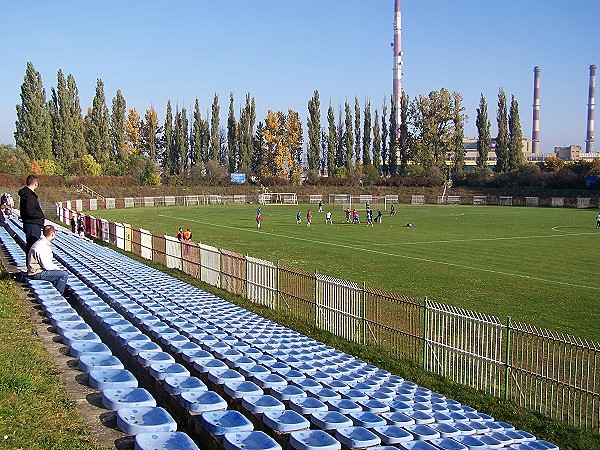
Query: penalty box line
column 378, row 252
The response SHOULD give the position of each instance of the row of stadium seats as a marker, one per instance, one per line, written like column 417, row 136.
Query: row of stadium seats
column 242, row 381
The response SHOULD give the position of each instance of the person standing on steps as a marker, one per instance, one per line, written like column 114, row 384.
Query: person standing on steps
column 32, row 215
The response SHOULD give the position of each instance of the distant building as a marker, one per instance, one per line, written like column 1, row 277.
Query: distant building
column 570, row 153
column 472, row 155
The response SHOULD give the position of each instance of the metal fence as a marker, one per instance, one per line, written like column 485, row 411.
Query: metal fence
column 552, row 373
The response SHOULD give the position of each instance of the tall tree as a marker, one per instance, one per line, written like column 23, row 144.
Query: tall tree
column 33, row 128
column 60, row 115
column 117, row 132
column 384, row 137
column 502, row 139
column 168, row 141
column 405, row 138
column 357, row 133
column 232, row 137
column 484, row 138
column 179, row 155
column 293, row 141
column 433, row 120
column 149, row 134
column 376, row 141
column 99, row 140
column 348, row 138
column 314, row 132
column 196, row 139
column 259, row 152
column 516, row 158
column 76, row 119
column 366, row 142
column 214, row 129
column 247, row 121
column 458, row 121
column 393, row 164
column 133, row 133
column 340, row 151
column 331, row 141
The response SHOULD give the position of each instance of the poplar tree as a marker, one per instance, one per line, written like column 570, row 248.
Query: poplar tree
column 33, row 127
column 179, row 154
column 384, row 138
column 348, row 138
column 357, row 133
column 246, row 135
column 117, row 132
column 196, row 139
column 516, row 158
column 366, row 142
column 340, row 151
column 149, row 134
column 404, row 139
column 376, row 141
column 232, row 137
column 393, row 164
column 483, row 133
column 331, row 141
column 314, row 132
column 99, row 140
column 60, row 115
column 76, row 119
column 458, row 120
column 259, row 152
column 502, row 139
column 168, row 141
column 215, row 143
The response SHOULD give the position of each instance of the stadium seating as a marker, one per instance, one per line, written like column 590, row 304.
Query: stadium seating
column 230, row 375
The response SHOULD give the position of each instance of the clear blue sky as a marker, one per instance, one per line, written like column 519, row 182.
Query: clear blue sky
column 281, row 51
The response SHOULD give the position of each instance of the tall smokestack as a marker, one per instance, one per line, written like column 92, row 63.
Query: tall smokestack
column 589, row 141
column 397, row 91
column 535, row 131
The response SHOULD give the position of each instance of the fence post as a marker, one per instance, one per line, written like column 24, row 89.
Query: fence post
column 507, row 359
column 278, row 290
column 247, row 283
column 364, row 314
column 425, row 327
column 316, row 300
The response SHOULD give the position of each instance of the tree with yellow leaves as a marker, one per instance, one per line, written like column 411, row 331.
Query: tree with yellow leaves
column 133, row 134
column 283, row 144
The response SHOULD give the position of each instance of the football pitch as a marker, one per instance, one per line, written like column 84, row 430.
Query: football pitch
column 537, row 265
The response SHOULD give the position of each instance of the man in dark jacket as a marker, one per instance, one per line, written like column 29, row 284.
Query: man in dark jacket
column 31, row 212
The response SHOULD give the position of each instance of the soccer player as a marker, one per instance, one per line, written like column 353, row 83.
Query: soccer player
column 369, row 217
column 320, row 206
column 392, row 211
column 258, row 218
column 347, row 211
column 308, row 218
column 298, row 218
column 328, row 218
column 598, row 220
column 379, row 216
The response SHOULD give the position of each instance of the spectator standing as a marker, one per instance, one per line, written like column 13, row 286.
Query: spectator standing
column 80, row 225
column 73, row 225
column 31, row 212
column 3, row 224
column 39, row 261
column 187, row 235
column 180, row 234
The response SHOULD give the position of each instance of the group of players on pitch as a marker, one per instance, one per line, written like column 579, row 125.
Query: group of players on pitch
column 351, row 216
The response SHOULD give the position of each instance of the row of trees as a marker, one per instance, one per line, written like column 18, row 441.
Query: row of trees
column 57, row 139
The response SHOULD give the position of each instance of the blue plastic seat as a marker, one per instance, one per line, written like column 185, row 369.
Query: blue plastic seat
column 445, row 429
column 269, row 380
column 69, row 337
column 249, row 440
column 422, row 432
column 166, row 440
column 89, row 362
column 367, row 419
column 111, row 379
column 88, row 348
column 344, row 406
column 134, row 347
column 313, row 440
column 330, row 420
column 357, row 437
column 147, row 419
column 288, row 392
column 307, row 405
column 177, row 384
column 259, row 404
column 115, row 399
column 471, row 442
column 202, row 401
column 285, row 421
column 221, row 376
column 219, row 423
column 374, row 406
column 161, row 370
column 392, row 434
column 416, row 445
column 398, row 419
column 146, row 358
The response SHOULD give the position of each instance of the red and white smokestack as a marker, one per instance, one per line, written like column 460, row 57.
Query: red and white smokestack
column 589, row 141
column 535, row 131
column 397, row 88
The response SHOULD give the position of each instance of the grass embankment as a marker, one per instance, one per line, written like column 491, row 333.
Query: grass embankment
column 35, row 410
column 566, row 437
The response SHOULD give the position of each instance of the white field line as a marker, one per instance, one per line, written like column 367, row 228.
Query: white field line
column 414, row 258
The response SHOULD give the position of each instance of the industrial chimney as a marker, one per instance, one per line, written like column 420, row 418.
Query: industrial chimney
column 397, row 88
column 535, row 131
column 589, row 141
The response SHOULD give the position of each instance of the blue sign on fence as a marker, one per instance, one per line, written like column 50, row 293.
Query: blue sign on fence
column 591, row 181
column 238, row 178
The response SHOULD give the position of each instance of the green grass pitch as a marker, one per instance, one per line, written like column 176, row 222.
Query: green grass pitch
column 537, row 265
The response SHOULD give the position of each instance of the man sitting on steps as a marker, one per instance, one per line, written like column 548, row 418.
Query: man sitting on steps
column 39, row 261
